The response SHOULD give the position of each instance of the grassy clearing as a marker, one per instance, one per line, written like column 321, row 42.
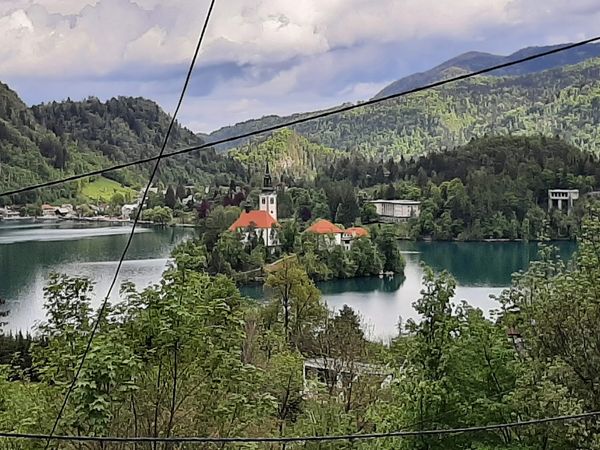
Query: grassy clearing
column 102, row 189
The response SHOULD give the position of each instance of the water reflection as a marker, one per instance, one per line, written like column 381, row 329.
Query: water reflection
column 29, row 252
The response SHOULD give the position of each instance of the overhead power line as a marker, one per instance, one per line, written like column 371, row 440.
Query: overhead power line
column 157, row 160
column 341, row 437
column 304, row 119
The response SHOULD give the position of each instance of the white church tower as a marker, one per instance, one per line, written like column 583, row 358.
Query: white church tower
column 268, row 197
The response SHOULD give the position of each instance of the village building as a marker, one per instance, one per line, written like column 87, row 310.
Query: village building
column 396, row 210
column 558, row 196
column 261, row 224
column 7, row 213
column 48, row 210
column 128, row 210
column 339, row 373
column 331, row 234
column 351, row 234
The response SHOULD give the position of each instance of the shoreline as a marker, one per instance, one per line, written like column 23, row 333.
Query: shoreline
column 115, row 220
column 107, row 220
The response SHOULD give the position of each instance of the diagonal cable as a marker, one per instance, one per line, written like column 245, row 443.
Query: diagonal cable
column 135, row 222
column 324, row 438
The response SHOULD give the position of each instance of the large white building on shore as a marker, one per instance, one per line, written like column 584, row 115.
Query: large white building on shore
column 396, row 210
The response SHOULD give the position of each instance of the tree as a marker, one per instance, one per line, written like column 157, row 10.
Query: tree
column 228, row 249
column 368, row 213
column 389, row 249
column 297, row 301
column 453, row 359
column 170, row 197
column 160, row 215
column 554, row 308
column 180, row 192
column 218, row 221
column 288, row 235
column 340, row 262
column 344, row 346
column 366, row 258
column 117, row 200
column 285, row 205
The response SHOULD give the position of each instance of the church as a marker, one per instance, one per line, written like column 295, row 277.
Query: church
column 262, row 223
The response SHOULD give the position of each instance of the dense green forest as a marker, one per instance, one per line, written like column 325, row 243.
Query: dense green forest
column 562, row 101
column 54, row 140
column 292, row 158
column 493, row 187
column 191, row 356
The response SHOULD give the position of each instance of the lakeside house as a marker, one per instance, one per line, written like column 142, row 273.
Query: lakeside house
column 333, row 235
column 7, row 213
column 261, row 223
column 351, row 234
column 558, row 196
column 337, row 372
column 128, row 210
column 65, row 210
column 48, row 210
column 396, row 210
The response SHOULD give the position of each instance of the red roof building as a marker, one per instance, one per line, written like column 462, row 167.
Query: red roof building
column 323, row 226
column 356, row 232
column 256, row 219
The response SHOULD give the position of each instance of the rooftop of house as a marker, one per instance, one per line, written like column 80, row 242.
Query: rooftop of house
column 356, row 232
column 341, row 366
column 258, row 219
column 323, row 226
column 397, row 202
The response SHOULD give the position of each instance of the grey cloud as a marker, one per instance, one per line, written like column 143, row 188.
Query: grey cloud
column 260, row 57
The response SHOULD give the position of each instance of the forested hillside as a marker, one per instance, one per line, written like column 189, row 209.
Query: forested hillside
column 493, row 187
column 291, row 156
column 54, row 140
column 563, row 101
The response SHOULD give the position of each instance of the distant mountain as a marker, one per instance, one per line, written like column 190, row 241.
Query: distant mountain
column 474, row 61
column 563, row 101
column 53, row 140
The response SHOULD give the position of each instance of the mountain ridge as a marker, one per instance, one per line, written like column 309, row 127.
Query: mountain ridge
column 562, row 100
column 57, row 139
column 473, row 61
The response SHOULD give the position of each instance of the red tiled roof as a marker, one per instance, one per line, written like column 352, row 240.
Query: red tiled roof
column 356, row 232
column 259, row 219
column 323, row 226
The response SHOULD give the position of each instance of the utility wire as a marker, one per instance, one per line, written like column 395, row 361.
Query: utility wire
column 304, row 119
column 341, row 437
column 135, row 222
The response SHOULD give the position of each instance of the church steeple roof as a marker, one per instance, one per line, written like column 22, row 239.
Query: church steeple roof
column 267, row 180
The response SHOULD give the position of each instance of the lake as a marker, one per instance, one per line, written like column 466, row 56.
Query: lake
column 30, row 251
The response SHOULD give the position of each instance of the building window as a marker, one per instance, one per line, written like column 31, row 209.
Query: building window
column 272, row 200
column 264, row 200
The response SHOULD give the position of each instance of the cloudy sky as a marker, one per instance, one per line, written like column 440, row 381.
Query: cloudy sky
column 260, row 56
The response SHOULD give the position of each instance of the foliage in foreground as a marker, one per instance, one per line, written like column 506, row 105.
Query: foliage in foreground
column 190, row 356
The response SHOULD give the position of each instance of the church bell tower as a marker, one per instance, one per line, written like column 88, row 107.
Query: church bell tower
column 268, row 197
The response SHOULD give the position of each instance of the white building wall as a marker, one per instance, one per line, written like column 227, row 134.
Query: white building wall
column 268, row 202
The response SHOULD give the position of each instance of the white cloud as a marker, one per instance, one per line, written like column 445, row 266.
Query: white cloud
column 290, row 52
